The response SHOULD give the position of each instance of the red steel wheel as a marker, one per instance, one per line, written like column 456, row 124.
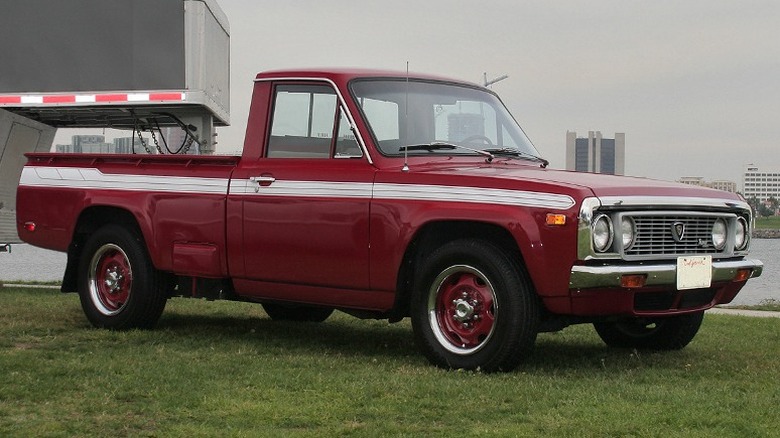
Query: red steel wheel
column 110, row 279
column 462, row 309
column 474, row 307
column 119, row 287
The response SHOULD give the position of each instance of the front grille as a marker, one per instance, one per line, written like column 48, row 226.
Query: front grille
column 655, row 235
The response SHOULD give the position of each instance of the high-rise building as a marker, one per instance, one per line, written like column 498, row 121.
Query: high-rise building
column 595, row 153
column 132, row 145
column 693, row 181
column 762, row 183
column 725, row 185
column 176, row 139
column 86, row 144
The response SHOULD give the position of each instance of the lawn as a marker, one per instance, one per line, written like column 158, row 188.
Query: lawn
column 225, row 369
column 768, row 223
column 769, row 305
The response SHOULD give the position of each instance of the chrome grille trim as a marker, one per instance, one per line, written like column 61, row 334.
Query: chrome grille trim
column 655, row 236
column 702, row 213
column 673, row 202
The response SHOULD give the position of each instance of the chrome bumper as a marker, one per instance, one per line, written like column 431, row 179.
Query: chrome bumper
column 585, row 277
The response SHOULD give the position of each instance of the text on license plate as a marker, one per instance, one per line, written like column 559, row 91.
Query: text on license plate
column 694, row 272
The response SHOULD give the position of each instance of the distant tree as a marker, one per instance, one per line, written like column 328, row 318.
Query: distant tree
column 765, row 211
column 774, row 203
column 755, row 205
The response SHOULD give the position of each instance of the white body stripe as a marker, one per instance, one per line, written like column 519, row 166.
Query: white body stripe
column 479, row 195
column 95, row 179
column 309, row 189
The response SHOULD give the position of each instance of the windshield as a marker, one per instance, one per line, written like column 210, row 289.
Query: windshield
column 403, row 116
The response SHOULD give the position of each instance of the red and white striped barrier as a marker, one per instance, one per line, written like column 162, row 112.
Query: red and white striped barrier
column 65, row 99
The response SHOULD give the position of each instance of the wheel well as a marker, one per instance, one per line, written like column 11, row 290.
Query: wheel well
column 432, row 236
column 90, row 220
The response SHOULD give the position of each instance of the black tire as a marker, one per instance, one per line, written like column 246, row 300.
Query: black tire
column 473, row 308
column 119, row 287
column 282, row 312
column 672, row 333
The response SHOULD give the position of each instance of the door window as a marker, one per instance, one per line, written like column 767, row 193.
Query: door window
column 308, row 122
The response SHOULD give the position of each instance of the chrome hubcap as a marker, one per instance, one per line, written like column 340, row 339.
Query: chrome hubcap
column 113, row 280
column 464, row 310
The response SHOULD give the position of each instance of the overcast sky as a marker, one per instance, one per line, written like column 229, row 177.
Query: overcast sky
column 695, row 85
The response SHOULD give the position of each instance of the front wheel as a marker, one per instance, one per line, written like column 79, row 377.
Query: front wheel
column 474, row 308
column 119, row 288
column 670, row 333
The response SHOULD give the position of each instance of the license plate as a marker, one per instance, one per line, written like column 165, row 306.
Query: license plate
column 694, row 272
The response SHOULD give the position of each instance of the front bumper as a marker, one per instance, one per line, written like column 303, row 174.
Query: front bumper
column 658, row 275
column 597, row 291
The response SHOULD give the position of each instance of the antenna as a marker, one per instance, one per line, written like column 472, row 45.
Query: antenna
column 406, row 121
column 488, row 83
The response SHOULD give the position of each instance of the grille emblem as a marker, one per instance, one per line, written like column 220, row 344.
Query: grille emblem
column 678, row 231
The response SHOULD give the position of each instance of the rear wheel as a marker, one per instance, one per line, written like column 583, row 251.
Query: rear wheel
column 474, row 308
column 282, row 312
column 119, row 288
column 671, row 333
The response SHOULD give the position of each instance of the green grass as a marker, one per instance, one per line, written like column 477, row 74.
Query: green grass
column 770, row 305
column 768, row 223
column 31, row 282
column 225, row 369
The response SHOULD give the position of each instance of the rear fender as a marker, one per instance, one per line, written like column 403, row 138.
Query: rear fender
column 89, row 221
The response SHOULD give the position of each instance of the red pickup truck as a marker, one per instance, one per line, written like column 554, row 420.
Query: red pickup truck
column 388, row 196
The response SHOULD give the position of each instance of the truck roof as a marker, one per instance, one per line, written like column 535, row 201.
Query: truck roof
column 344, row 74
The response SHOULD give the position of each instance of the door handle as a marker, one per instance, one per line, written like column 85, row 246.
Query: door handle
column 262, row 181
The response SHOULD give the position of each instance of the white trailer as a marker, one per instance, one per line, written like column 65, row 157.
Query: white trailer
column 137, row 65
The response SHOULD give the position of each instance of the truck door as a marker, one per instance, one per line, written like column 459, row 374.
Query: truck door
column 306, row 201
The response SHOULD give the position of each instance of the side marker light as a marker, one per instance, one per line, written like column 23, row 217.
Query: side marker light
column 743, row 274
column 633, row 281
column 29, row 226
column 556, row 219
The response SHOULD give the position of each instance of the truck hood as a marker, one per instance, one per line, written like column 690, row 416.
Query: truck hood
column 569, row 182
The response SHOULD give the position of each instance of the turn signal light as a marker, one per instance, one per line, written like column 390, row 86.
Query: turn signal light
column 633, row 281
column 29, row 226
column 743, row 274
column 556, row 219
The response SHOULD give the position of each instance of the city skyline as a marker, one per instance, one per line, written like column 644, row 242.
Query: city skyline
column 97, row 144
column 88, row 141
column 175, row 135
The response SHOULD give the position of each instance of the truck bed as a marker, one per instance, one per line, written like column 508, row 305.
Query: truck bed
column 73, row 189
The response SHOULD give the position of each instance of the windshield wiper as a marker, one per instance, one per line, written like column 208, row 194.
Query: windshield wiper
column 512, row 152
column 440, row 146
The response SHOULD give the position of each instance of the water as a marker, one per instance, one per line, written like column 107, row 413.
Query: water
column 28, row 263
column 767, row 286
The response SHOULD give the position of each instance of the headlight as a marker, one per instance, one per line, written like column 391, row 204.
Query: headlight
column 741, row 240
column 627, row 229
column 602, row 233
column 719, row 234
